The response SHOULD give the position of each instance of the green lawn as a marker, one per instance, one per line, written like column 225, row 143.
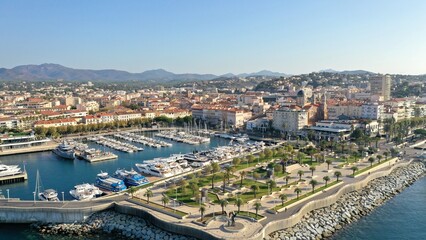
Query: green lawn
column 247, row 196
column 370, row 167
column 250, row 214
column 301, row 197
column 187, row 196
column 153, row 204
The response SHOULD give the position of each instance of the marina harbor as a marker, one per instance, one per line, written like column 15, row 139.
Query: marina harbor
column 85, row 160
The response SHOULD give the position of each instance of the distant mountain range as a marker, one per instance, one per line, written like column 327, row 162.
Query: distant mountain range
column 49, row 71
column 348, row 72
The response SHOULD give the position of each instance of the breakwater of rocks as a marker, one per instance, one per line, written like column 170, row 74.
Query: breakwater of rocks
column 322, row 223
column 115, row 224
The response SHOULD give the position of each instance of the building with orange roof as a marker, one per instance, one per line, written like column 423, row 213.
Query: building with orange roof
column 56, row 123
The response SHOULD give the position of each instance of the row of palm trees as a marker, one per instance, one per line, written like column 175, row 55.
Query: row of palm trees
column 238, row 202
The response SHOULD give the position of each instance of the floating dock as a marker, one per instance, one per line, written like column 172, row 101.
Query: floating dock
column 102, row 158
column 21, row 177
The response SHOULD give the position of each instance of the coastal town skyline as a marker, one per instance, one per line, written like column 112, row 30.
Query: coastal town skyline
column 211, row 120
column 237, row 37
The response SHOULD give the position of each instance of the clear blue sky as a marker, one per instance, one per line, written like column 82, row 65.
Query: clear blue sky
column 216, row 36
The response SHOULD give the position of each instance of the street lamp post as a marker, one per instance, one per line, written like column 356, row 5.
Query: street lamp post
column 34, row 193
column 7, row 190
column 268, row 189
column 175, row 201
column 62, row 197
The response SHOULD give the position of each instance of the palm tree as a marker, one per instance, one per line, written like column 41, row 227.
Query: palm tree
column 148, row 194
column 283, row 198
column 132, row 190
column 236, row 161
column 242, row 176
column 182, row 183
column 287, row 177
column 214, row 169
column 224, row 181
column 255, row 188
column 229, row 170
column 326, row 179
column 257, row 205
column 386, row 155
column 313, row 183
column 329, row 162
column 165, row 200
column 300, row 173
column 194, row 187
column 371, row 160
column 337, row 174
column 354, row 169
column 297, row 191
column 202, row 211
column 239, row 202
column 312, row 168
column 223, row 204
column 256, row 175
column 300, row 156
column 272, row 184
column 379, row 157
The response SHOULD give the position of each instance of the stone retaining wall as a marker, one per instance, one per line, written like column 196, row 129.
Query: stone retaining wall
column 163, row 224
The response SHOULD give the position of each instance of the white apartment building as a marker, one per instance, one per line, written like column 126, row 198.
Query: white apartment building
column 7, row 122
column 372, row 111
column 349, row 110
column 88, row 106
column 289, row 119
column 126, row 116
column 216, row 115
column 381, row 85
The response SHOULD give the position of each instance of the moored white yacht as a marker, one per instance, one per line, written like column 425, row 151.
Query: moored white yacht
column 85, row 191
column 9, row 170
column 49, row 195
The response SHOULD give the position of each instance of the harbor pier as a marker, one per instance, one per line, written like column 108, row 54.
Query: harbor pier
column 13, row 178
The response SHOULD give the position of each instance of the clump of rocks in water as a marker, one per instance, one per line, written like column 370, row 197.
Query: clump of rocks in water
column 322, row 223
column 109, row 222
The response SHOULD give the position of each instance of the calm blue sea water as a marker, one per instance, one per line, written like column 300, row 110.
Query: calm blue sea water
column 402, row 217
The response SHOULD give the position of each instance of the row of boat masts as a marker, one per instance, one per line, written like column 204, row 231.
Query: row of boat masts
column 115, row 144
column 181, row 136
column 131, row 137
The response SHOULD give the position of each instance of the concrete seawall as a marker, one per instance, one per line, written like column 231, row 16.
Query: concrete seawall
column 49, row 214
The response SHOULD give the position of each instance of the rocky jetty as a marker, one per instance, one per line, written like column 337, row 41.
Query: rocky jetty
column 121, row 226
column 322, row 223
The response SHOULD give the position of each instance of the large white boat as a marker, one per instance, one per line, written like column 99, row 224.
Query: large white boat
column 64, row 150
column 104, row 181
column 49, row 195
column 164, row 167
column 94, row 155
column 158, row 169
column 85, row 191
column 9, row 170
column 131, row 178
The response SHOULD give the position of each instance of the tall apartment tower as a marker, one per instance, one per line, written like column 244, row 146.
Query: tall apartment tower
column 381, row 85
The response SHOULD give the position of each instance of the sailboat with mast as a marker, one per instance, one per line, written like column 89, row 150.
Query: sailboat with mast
column 49, row 195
